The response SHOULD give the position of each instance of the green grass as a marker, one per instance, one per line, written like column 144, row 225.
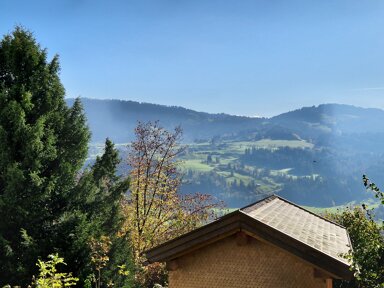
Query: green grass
column 325, row 210
column 280, row 172
column 196, row 165
column 225, row 160
column 228, row 152
column 269, row 144
column 224, row 173
column 371, row 203
column 240, row 146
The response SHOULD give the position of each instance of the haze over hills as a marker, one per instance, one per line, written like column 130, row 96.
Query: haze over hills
column 117, row 118
column 313, row 155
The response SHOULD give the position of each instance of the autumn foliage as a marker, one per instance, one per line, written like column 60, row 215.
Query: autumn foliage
column 155, row 210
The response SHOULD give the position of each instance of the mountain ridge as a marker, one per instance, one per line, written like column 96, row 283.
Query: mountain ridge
column 117, row 118
column 70, row 101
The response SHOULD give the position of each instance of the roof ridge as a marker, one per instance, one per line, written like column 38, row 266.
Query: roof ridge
column 310, row 212
column 270, row 197
column 274, row 196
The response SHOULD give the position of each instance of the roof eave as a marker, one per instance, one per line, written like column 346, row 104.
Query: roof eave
column 202, row 236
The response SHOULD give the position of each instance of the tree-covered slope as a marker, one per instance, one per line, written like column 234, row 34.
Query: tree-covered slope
column 116, row 119
column 313, row 156
column 322, row 124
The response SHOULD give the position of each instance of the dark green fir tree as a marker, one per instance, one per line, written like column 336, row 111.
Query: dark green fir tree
column 47, row 204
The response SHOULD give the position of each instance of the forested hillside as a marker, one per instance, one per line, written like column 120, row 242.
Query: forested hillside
column 314, row 155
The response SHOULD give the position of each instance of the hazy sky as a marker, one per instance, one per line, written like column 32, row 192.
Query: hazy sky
column 241, row 57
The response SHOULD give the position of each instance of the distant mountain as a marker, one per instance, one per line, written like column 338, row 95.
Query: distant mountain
column 319, row 124
column 336, row 118
column 313, row 155
column 337, row 125
column 117, row 118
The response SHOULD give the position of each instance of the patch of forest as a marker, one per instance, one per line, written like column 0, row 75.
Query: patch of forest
column 240, row 172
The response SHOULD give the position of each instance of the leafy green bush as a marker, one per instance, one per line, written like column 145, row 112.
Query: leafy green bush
column 49, row 277
column 367, row 237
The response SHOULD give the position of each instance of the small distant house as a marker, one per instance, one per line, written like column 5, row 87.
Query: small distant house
column 271, row 243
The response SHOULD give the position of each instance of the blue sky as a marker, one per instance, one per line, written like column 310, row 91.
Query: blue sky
column 260, row 57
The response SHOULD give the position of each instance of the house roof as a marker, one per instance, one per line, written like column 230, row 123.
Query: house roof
column 279, row 222
column 309, row 228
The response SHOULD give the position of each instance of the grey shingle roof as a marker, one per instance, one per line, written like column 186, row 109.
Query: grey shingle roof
column 302, row 225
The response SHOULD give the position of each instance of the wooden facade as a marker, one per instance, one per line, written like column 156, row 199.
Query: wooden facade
column 253, row 264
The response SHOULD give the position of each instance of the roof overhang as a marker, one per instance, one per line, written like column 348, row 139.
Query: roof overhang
column 239, row 221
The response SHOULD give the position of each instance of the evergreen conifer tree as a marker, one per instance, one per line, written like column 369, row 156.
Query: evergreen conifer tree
column 43, row 145
column 46, row 204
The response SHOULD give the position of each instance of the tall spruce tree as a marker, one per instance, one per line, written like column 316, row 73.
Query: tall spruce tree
column 43, row 146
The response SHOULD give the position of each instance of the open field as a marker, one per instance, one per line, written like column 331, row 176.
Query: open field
column 267, row 144
column 196, row 165
column 371, row 203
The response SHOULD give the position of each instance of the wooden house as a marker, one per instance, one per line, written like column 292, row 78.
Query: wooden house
column 271, row 243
